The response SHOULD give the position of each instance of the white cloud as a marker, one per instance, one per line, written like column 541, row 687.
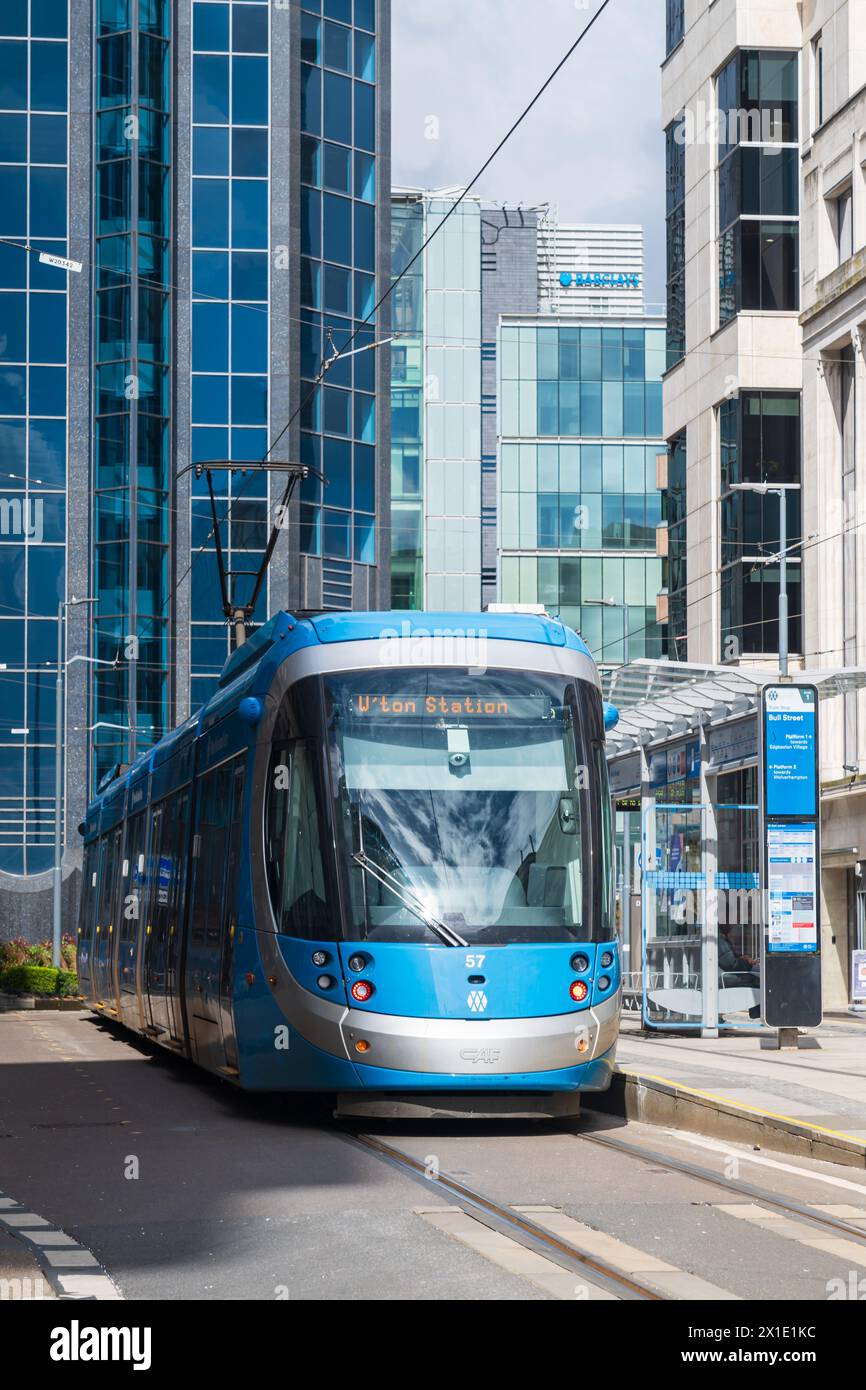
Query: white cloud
column 593, row 144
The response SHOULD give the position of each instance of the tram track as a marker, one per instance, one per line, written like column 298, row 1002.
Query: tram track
column 509, row 1222
column 732, row 1186
column 518, row 1225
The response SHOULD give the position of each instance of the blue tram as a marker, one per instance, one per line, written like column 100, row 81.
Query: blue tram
column 378, row 863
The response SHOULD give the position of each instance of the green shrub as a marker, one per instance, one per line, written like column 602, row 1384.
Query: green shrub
column 29, row 979
column 67, row 983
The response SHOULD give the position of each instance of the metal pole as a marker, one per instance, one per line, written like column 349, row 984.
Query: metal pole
column 783, row 583
column 709, row 866
column 58, row 788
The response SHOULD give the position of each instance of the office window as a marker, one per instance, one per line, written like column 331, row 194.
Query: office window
column 760, row 439
column 758, row 184
column 675, row 24
column 676, row 249
column 844, row 220
column 818, row 80
column 338, row 241
column 676, row 514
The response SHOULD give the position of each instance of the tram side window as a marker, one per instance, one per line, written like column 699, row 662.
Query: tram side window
column 88, row 891
column 214, row 806
column 174, row 850
column 106, row 880
column 218, row 808
column 133, row 888
column 295, row 868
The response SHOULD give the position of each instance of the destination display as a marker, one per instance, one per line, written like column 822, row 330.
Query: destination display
column 527, row 707
column 790, row 717
column 792, row 888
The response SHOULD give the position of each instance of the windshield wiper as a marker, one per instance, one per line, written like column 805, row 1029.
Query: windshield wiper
column 410, row 900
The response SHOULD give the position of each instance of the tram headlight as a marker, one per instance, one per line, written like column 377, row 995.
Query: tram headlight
column 604, row 982
column 579, row 964
column 579, row 990
column 361, row 990
column 357, row 963
column 325, row 982
column 320, row 958
column 607, row 960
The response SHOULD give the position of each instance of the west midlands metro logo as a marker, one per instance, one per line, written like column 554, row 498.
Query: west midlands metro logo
column 477, row 1001
column 598, row 280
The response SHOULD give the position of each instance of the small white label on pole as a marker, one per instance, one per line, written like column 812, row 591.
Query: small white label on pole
column 61, row 262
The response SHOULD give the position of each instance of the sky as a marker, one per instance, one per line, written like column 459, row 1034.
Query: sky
column 593, row 145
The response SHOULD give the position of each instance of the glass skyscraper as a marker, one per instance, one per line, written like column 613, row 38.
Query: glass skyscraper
column 34, row 159
column 220, row 170
column 580, row 423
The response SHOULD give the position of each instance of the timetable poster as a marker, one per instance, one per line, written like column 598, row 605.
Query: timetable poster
column 792, row 888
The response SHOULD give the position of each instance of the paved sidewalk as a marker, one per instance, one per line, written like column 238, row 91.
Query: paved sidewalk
column 817, row 1088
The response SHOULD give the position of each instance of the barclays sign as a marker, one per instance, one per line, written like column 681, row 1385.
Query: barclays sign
column 599, row 280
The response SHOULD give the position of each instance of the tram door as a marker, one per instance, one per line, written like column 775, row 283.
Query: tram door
column 130, row 924
column 162, row 978
column 109, row 871
column 229, row 922
column 155, row 929
column 89, row 890
column 210, row 952
column 174, row 865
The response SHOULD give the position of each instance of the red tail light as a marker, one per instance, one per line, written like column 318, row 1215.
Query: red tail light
column 361, row 990
column 578, row 991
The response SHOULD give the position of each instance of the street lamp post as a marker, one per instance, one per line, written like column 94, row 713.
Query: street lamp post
column 612, row 603
column 58, row 775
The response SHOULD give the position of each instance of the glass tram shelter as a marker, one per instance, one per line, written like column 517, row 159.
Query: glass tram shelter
column 683, row 764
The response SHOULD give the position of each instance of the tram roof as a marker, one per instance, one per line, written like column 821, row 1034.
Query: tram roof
column 513, row 627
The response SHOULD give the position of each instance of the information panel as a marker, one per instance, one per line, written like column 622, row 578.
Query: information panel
column 790, row 751
column 792, row 888
column 791, row 845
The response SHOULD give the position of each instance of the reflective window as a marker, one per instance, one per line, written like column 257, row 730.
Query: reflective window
column 758, row 180
column 599, row 386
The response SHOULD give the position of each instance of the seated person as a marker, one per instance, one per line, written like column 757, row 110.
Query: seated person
column 736, row 969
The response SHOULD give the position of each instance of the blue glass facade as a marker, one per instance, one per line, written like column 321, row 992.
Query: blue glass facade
column 34, row 62
column 338, row 286
column 580, row 424
column 132, row 377
column 229, row 231
column 230, row 310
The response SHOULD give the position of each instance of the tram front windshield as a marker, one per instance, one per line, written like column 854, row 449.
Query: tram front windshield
column 463, row 804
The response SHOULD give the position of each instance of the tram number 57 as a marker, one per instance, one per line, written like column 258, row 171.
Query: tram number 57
column 475, row 962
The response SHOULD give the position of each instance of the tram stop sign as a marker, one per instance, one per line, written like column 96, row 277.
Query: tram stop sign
column 791, row 847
